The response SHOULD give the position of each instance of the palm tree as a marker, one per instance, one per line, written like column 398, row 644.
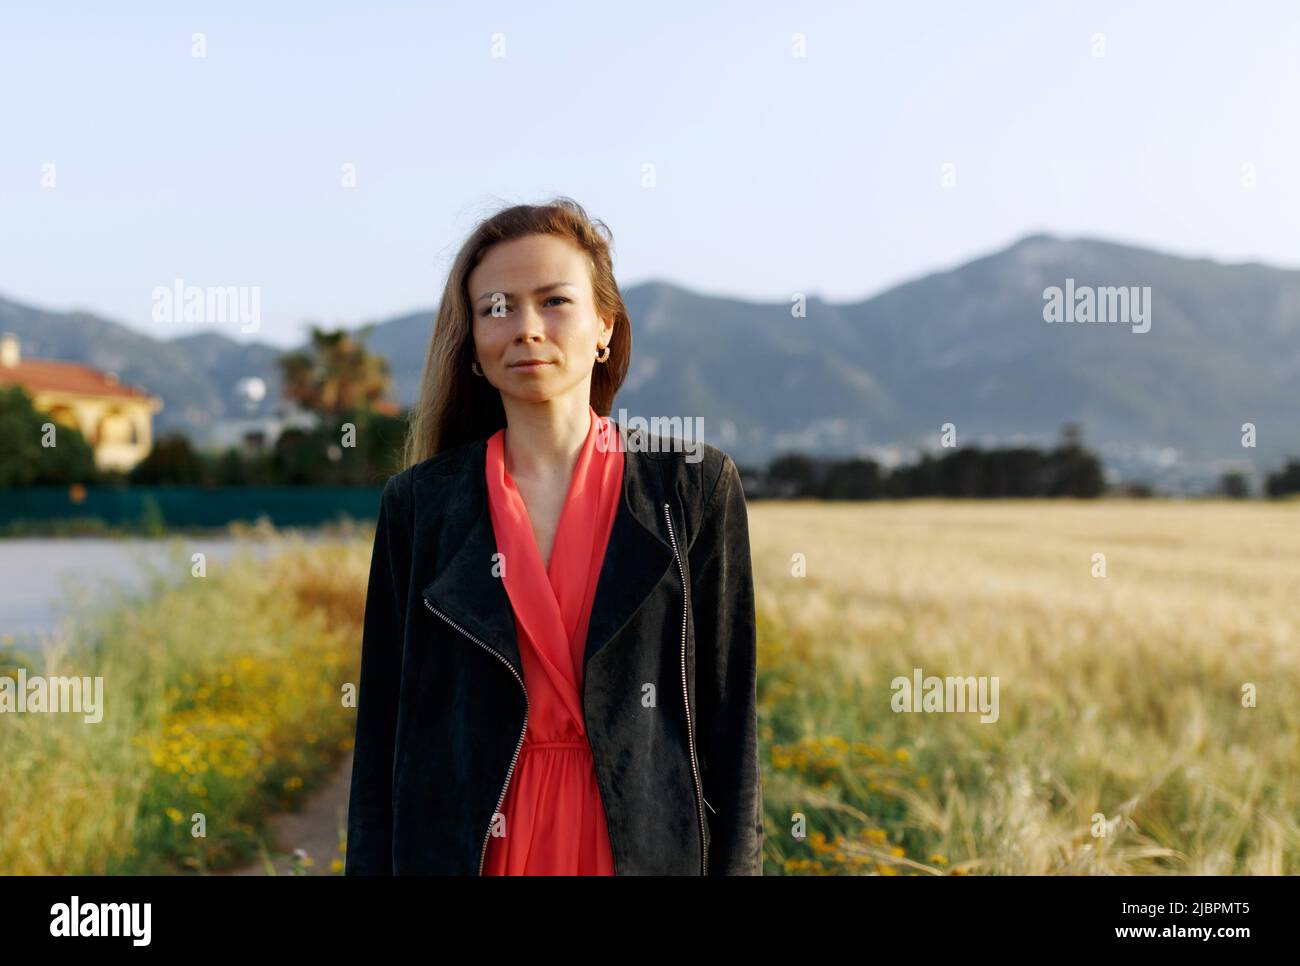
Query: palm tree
column 336, row 374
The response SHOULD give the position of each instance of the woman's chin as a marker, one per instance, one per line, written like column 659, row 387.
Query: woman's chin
column 529, row 394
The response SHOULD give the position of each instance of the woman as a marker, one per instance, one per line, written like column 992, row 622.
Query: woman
column 558, row 659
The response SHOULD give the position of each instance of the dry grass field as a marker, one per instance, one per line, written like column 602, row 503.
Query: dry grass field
column 1149, row 719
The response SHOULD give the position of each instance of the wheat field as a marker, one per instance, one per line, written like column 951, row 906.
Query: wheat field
column 1148, row 719
column 1149, row 712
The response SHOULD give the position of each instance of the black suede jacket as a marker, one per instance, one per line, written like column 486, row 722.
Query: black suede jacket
column 668, row 685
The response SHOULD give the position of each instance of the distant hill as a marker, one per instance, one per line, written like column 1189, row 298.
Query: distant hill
column 195, row 375
column 968, row 346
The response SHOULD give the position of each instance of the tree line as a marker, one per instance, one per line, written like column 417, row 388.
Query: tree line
column 968, row 472
column 1067, row 470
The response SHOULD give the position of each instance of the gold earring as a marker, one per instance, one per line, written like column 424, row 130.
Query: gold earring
column 603, row 354
column 473, row 366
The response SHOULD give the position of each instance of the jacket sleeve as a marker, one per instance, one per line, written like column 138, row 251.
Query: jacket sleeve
column 722, row 591
column 370, row 805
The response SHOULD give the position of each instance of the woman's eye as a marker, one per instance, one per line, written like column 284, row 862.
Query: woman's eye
column 488, row 311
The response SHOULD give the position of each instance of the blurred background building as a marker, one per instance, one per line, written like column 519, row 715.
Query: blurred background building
column 115, row 418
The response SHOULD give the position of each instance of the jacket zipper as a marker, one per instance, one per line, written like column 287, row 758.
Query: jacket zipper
column 486, row 835
column 690, row 730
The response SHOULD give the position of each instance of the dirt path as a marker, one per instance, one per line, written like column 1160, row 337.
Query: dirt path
column 317, row 829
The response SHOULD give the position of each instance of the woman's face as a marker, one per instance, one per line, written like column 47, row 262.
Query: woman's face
column 531, row 299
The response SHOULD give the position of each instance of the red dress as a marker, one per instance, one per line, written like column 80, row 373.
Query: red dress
column 554, row 821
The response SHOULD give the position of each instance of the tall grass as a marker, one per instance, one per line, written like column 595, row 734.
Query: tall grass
column 1122, row 746
column 222, row 703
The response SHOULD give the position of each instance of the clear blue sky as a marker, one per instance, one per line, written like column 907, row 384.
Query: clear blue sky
column 776, row 174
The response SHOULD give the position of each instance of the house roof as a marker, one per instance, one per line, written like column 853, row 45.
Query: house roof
column 50, row 375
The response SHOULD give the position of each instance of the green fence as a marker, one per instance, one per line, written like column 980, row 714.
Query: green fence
column 192, row 505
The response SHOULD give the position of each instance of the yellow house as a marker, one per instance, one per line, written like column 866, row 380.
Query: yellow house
column 116, row 419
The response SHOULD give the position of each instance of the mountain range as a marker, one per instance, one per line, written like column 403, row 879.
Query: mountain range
column 969, row 346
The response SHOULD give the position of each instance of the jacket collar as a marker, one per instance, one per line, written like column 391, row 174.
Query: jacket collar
column 638, row 557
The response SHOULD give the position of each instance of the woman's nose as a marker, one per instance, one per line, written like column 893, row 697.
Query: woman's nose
column 529, row 324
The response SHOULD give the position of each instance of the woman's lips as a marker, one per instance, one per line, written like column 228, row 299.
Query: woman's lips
column 529, row 366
